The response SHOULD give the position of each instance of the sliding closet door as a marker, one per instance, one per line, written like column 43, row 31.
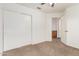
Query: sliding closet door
column 17, row 30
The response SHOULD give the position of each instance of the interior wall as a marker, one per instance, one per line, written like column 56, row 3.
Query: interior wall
column 41, row 23
column 38, row 24
column 54, row 24
column 72, row 18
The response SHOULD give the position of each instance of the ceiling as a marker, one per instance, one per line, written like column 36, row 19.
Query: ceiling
column 58, row 7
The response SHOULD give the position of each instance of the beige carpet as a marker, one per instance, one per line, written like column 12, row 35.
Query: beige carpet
column 53, row 48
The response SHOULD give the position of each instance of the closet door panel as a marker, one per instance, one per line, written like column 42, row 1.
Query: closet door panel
column 17, row 30
column 28, row 28
column 1, row 30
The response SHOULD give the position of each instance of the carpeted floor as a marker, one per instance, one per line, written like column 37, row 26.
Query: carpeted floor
column 53, row 48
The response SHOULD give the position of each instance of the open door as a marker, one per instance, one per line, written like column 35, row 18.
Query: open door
column 63, row 29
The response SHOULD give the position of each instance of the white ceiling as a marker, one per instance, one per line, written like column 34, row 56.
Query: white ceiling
column 58, row 7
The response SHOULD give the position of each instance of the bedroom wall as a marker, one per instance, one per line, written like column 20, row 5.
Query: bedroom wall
column 71, row 20
column 38, row 24
column 41, row 24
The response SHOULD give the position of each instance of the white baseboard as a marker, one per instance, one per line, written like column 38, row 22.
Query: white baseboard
column 36, row 42
column 24, row 44
column 18, row 46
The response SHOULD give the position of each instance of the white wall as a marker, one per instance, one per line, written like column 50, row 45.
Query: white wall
column 38, row 24
column 72, row 18
column 41, row 24
column 54, row 24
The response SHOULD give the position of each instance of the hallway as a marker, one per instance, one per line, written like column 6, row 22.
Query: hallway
column 53, row 48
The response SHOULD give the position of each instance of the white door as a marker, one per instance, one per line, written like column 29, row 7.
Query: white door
column 17, row 30
column 63, row 29
column 59, row 28
column 1, row 42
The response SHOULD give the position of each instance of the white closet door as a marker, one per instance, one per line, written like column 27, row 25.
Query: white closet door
column 1, row 42
column 28, row 29
column 17, row 30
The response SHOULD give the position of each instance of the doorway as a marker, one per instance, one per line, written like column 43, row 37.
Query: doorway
column 55, row 28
